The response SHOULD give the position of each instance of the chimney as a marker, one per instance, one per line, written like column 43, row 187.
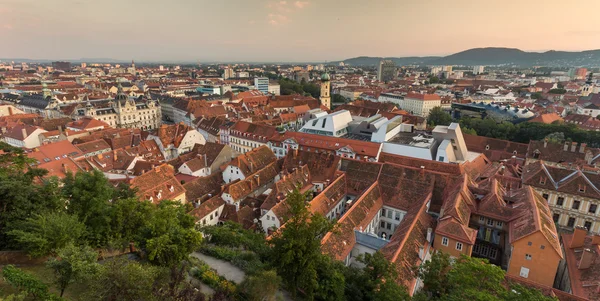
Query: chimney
column 573, row 146
column 60, row 129
column 24, row 132
column 205, row 161
column 566, row 148
column 429, row 234
column 10, row 111
column 3, row 129
column 545, row 142
column 578, row 237
column 582, row 147
column 157, row 168
column 596, row 239
column 587, row 259
column 64, row 167
column 115, row 155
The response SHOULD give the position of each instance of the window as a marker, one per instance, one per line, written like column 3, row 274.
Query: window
column 445, row 241
column 593, row 208
column 389, row 214
column 490, row 222
column 581, row 188
column 560, row 201
column 545, row 196
column 499, row 223
column 524, row 272
column 556, row 217
column 482, row 219
column 527, row 256
column 542, row 247
column 459, row 246
column 529, row 243
column 571, row 222
column 588, row 225
column 542, row 180
column 382, row 225
column 576, row 205
column 493, row 253
column 441, row 159
column 382, row 212
column 389, row 226
column 397, row 215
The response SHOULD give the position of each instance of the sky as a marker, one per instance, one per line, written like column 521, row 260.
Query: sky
column 288, row 31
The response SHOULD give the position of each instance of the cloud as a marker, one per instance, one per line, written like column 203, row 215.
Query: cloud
column 301, row 4
column 277, row 19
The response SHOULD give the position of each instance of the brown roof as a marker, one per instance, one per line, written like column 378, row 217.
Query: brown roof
column 200, row 188
column 495, row 149
column 322, row 166
column 340, row 243
column 87, row 123
column 584, row 282
column 206, row 207
column 60, row 149
column 93, row 146
column 172, row 134
column 254, row 160
column 161, row 182
column 571, row 181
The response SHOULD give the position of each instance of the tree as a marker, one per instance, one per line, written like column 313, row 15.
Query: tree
column 262, row 286
column 28, row 285
column 337, row 98
column 376, row 281
column 536, row 95
column 88, row 194
column 127, row 218
column 45, row 233
column 297, row 248
column 122, row 279
column 558, row 91
column 437, row 116
column 170, row 237
column 468, row 278
column 331, row 279
column 434, row 79
column 71, row 264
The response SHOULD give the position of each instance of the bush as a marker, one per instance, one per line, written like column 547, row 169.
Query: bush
column 247, row 261
column 204, row 273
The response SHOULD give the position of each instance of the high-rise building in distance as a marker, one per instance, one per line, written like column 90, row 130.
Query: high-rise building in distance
column 262, row 84
column 386, row 70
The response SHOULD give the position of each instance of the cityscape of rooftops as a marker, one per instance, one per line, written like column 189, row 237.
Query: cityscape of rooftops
column 299, row 150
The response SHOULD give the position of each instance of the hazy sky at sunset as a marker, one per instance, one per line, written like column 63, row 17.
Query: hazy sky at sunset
column 310, row 30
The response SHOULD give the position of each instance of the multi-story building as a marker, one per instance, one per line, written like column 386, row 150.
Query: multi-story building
column 420, row 104
column 478, row 69
column 573, row 195
column 386, row 70
column 262, row 84
column 325, row 97
column 245, row 136
column 126, row 112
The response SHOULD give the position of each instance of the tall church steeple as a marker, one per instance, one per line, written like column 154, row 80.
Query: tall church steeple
column 325, row 91
column 45, row 91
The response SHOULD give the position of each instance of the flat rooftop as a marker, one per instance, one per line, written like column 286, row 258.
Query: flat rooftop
column 413, row 139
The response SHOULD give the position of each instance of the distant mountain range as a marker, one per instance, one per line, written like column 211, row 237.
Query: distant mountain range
column 493, row 56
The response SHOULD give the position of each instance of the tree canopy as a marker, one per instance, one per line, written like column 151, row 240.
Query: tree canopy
column 437, row 116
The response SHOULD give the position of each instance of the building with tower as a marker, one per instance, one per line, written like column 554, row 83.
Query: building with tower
column 126, row 112
column 325, row 90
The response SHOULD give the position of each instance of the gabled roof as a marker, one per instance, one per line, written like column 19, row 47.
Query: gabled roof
column 340, row 243
column 200, row 188
column 158, row 184
column 254, row 160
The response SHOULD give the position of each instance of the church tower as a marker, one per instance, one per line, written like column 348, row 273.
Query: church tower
column 325, row 90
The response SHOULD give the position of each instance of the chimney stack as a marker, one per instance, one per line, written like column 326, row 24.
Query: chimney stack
column 578, row 237
column 10, row 111
column 587, row 259
column 545, row 142
column 582, row 147
column 573, row 146
column 566, row 148
column 205, row 161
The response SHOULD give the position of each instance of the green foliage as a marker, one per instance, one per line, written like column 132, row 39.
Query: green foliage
column 45, row 233
column 433, row 79
column 337, row 98
column 297, row 248
column 289, row 87
column 247, row 261
column 208, row 276
column 331, row 279
column 558, row 91
column 27, row 284
column 536, row 95
column 122, row 279
column 262, row 286
column 127, row 217
column 525, row 131
column 437, row 116
column 232, row 234
column 468, row 278
column 376, row 281
column 71, row 264
column 89, row 194
column 170, row 237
